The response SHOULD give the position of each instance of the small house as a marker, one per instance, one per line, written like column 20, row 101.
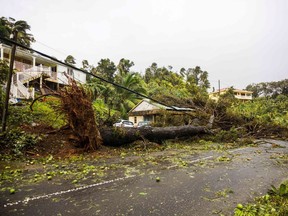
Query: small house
column 146, row 110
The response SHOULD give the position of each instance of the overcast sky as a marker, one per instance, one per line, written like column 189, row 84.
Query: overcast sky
column 236, row 41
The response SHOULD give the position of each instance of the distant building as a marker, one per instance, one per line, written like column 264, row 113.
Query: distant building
column 147, row 110
column 239, row 94
column 36, row 73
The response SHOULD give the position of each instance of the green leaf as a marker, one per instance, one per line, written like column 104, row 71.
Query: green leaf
column 142, row 193
column 282, row 189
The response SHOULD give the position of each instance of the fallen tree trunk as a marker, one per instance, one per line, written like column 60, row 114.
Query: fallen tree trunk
column 120, row 136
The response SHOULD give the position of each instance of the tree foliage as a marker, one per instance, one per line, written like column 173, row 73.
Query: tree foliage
column 4, row 70
column 70, row 60
column 269, row 89
column 8, row 27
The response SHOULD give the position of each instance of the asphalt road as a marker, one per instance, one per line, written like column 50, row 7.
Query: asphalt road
column 211, row 183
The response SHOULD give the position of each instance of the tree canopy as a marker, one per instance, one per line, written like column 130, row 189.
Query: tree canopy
column 269, row 89
column 9, row 26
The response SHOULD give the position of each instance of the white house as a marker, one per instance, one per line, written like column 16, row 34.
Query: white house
column 37, row 73
column 147, row 110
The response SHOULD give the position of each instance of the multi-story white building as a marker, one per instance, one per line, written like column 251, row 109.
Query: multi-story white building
column 36, row 73
column 238, row 93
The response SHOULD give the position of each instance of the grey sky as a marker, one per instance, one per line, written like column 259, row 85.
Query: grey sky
column 237, row 41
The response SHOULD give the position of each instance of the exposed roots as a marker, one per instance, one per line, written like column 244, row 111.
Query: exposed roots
column 77, row 106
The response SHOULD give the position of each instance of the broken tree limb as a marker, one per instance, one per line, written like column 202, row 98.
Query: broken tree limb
column 120, row 136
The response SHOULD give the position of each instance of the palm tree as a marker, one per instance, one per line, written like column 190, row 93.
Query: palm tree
column 9, row 27
column 125, row 100
column 18, row 30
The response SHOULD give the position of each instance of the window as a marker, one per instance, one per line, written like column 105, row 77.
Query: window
column 70, row 71
column 148, row 118
column 135, row 119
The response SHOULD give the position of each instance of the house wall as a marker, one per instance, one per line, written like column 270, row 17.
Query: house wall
column 61, row 78
column 136, row 119
column 80, row 76
column 75, row 74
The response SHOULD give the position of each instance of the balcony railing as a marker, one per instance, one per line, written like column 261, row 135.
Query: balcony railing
column 243, row 97
column 23, row 67
column 40, row 68
column 20, row 66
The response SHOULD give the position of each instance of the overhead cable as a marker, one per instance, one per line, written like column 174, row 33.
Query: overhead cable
column 85, row 72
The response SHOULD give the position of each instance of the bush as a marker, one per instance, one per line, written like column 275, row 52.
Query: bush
column 274, row 203
column 17, row 141
column 43, row 113
column 228, row 136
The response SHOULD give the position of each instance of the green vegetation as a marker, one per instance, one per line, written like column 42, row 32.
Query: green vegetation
column 44, row 113
column 236, row 124
column 18, row 141
column 18, row 30
column 263, row 111
column 273, row 203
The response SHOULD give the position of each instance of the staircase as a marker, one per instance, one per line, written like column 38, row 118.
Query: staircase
column 19, row 90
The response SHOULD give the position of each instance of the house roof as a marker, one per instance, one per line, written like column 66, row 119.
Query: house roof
column 26, row 54
column 148, row 105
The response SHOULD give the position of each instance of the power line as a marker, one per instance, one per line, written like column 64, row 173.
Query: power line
column 45, row 45
column 85, row 72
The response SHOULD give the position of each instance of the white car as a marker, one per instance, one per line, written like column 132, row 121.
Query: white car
column 124, row 123
column 143, row 124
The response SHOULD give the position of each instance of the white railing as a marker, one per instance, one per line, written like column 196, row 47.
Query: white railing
column 21, row 66
column 40, row 68
column 31, row 92
column 20, row 91
column 23, row 89
column 13, row 91
column 243, row 97
column 24, row 76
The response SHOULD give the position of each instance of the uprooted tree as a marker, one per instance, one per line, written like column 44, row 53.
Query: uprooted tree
column 77, row 106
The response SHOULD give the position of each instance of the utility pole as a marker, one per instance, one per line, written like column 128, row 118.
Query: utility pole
column 8, row 85
column 219, row 87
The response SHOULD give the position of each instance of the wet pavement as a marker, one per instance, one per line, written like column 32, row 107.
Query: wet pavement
column 208, row 183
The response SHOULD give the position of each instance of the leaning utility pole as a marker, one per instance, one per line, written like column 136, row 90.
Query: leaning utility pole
column 8, row 85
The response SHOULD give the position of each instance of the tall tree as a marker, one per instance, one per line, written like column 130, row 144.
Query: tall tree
column 150, row 72
column 124, row 66
column 197, row 80
column 106, row 69
column 85, row 65
column 124, row 100
column 70, row 60
column 8, row 27
column 269, row 89
column 18, row 29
